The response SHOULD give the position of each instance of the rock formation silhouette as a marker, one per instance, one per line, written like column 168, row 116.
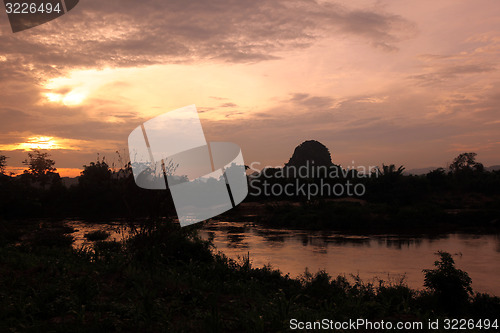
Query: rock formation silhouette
column 310, row 153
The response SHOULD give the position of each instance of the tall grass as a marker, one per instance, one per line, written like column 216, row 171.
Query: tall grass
column 165, row 278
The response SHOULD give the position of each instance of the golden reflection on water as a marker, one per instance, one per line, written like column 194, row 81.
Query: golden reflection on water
column 387, row 257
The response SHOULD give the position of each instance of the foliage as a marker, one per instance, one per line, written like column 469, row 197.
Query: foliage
column 166, row 279
column 466, row 162
column 452, row 286
column 392, row 200
column 391, row 171
column 41, row 168
column 39, row 164
column 95, row 174
column 3, row 163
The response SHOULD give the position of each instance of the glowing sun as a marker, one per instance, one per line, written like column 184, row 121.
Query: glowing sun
column 40, row 142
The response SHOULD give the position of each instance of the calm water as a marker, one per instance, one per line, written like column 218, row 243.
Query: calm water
column 117, row 230
column 387, row 257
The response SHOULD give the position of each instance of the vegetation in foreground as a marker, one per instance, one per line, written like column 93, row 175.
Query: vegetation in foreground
column 166, row 279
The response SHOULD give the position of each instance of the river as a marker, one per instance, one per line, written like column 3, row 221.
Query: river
column 386, row 257
column 372, row 257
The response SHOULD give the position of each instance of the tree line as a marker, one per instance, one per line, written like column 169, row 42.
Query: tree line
column 104, row 191
column 101, row 192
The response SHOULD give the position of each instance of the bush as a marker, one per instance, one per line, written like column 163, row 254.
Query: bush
column 451, row 286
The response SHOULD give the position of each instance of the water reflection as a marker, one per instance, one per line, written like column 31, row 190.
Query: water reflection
column 399, row 243
column 385, row 257
column 236, row 241
column 118, row 231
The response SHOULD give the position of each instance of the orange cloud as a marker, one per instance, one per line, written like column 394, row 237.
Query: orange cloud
column 63, row 172
column 43, row 142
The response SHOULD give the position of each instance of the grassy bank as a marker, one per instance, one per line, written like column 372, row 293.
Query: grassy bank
column 166, row 279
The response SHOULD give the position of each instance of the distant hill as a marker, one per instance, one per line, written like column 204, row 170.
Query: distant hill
column 419, row 171
column 492, row 168
column 423, row 171
column 310, row 153
column 68, row 182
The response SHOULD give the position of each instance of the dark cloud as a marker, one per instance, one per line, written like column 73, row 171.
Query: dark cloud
column 378, row 29
column 446, row 73
column 228, row 105
column 203, row 109
column 452, row 71
column 12, row 118
column 129, row 33
column 313, row 103
column 132, row 33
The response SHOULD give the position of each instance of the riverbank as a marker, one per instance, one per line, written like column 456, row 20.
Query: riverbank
column 166, row 279
column 388, row 256
column 360, row 216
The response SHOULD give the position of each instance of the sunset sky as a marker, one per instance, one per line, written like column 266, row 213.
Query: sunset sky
column 403, row 82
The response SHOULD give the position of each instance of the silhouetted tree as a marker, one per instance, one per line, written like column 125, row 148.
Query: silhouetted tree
column 40, row 167
column 437, row 177
column 3, row 163
column 39, row 164
column 391, row 171
column 466, row 162
column 96, row 174
column 96, row 190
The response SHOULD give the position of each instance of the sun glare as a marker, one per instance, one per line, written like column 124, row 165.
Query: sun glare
column 66, row 91
column 44, row 142
column 70, row 99
column 73, row 98
column 40, row 142
column 51, row 97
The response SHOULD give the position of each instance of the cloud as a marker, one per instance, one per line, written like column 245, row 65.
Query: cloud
column 385, row 127
column 377, row 28
column 228, row 105
column 218, row 98
column 99, row 123
column 449, row 72
column 131, row 33
column 312, row 103
column 128, row 33
column 479, row 56
column 12, row 118
column 352, row 98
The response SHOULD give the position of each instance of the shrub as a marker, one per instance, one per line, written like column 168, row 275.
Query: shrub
column 450, row 285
